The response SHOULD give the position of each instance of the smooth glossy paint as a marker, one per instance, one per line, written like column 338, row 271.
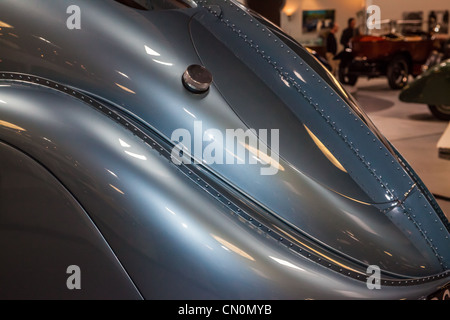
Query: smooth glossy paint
column 96, row 107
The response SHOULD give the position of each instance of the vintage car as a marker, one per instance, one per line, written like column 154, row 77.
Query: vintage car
column 179, row 149
column 394, row 56
column 431, row 88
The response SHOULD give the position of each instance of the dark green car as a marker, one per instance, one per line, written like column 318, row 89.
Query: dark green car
column 431, row 88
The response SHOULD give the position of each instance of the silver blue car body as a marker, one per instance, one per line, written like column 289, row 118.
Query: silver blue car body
column 88, row 179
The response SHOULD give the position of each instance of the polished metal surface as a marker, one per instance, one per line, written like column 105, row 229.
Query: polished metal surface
column 43, row 231
column 109, row 96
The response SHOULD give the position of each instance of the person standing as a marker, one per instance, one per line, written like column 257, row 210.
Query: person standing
column 331, row 46
column 349, row 33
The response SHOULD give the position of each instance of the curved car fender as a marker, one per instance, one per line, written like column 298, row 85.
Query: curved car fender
column 50, row 249
column 431, row 87
column 174, row 238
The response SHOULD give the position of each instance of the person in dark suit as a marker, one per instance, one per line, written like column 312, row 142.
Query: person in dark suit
column 349, row 33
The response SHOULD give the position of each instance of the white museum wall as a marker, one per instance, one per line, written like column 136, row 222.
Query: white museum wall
column 344, row 9
column 394, row 9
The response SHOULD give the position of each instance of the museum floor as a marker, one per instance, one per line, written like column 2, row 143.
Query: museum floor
column 411, row 129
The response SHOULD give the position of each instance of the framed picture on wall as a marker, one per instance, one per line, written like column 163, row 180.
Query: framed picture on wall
column 314, row 21
column 412, row 22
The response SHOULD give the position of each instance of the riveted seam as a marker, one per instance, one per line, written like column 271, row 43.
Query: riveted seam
column 285, row 75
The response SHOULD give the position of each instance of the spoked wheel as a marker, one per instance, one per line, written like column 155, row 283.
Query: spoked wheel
column 398, row 73
column 440, row 111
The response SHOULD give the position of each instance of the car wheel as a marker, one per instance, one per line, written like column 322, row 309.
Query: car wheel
column 440, row 111
column 398, row 73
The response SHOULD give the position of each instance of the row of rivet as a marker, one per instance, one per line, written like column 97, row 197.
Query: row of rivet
column 413, row 217
column 423, row 233
column 428, row 197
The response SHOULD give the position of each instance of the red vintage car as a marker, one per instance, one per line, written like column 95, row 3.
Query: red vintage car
column 393, row 56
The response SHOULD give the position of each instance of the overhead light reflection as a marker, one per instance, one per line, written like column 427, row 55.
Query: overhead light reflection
column 151, row 52
column 125, row 88
column 231, row 247
column 112, row 173
column 286, row 82
column 45, row 40
column 325, row 150
column 315, row 251
column 234, row 155
column 170, row 211
column 262, row 157
column 286, row 263
column 190, row 113
column 124, row 144
column 163, row 63
column 5, row 25
column 117, row 189
column 352, row 199
column 11, row 125
column 299, row 76
column 135, row 155
column 123, row 74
